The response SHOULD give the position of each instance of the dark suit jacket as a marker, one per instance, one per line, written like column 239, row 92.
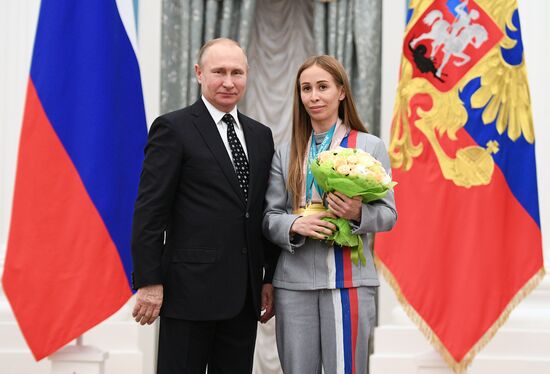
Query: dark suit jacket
column 189, row 192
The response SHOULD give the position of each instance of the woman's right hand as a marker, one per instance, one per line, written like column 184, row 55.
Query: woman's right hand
column 313, row 226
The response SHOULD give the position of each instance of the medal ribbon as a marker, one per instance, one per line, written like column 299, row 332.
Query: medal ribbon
column 312, row 156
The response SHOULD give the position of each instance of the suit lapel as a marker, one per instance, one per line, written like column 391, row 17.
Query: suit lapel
column 207, row 128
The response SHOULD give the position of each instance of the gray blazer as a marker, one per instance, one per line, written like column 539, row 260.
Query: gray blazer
column 308, row 264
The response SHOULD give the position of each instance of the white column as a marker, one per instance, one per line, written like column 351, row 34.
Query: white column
column 149, row 55
column 149, row 41
column 522, row 345
column 79, row 358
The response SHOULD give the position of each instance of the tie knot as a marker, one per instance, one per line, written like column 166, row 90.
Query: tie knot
column 228, row 118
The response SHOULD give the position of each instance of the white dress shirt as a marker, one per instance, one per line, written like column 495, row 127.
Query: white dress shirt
column 222, row 126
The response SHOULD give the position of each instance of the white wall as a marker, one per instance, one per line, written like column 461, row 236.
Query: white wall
column 534, row 16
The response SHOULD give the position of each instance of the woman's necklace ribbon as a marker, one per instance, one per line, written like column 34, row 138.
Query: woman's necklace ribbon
column 312, row 156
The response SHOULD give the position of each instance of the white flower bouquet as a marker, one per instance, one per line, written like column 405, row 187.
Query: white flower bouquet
column 352, row 172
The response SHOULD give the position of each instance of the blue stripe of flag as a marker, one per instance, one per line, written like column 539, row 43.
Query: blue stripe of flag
column 87, row 77
column 514, row 55
column 516, row 159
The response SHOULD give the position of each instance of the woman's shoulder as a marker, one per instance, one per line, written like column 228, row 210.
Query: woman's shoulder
column 368, row 139
column 371, row 143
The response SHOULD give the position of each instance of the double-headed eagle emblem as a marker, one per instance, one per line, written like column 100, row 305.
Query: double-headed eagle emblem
column 449, row 44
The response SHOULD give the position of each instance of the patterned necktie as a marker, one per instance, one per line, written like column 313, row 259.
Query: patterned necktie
column 239, row 157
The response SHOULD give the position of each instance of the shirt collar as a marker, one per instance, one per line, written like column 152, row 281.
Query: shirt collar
column 217, row 114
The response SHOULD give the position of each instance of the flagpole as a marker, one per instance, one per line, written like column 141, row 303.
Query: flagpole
column 78, row 358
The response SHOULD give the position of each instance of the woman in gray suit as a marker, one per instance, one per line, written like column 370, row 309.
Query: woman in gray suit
column 324, row 302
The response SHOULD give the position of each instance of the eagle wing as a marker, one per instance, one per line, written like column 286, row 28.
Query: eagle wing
column 504, row 91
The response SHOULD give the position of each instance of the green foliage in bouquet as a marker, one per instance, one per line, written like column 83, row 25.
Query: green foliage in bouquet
column 352, row 172
column 343, row 236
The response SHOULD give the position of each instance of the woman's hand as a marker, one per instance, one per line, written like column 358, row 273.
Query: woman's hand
column 345, row 207
column 313, row 226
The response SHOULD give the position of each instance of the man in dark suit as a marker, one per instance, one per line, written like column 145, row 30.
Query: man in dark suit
column 197, row 245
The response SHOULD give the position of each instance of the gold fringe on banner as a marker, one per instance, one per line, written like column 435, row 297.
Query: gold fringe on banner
column 458, row 366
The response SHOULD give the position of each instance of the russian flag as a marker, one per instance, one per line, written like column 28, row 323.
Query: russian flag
column 68, row 262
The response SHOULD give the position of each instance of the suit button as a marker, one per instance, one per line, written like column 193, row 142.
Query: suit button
column 243, row 251
column 247, row 215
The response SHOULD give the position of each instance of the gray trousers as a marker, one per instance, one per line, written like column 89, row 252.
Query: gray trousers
column 326, row 329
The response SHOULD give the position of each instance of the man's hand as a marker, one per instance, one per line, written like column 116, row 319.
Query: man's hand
column 267, row 303
column 148, row 303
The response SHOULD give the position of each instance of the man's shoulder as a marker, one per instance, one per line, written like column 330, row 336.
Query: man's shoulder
column 193, row 109
column 257, row 124
column 179, row 119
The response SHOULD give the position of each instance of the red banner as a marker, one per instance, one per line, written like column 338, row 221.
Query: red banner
column 467, row 246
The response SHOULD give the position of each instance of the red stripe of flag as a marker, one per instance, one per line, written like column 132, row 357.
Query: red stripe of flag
column 65, row 275
column 459, row 256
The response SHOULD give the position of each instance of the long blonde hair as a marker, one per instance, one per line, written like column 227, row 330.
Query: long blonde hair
column 301, row 122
